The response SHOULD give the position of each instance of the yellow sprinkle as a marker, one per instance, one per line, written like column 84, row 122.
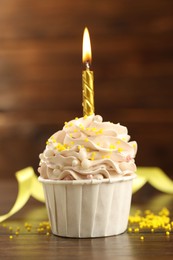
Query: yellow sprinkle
column 138, row 212
column 85, row 117
column 168, row 227
column 71, row 124
column 67, row 146
column 28, row 226
column 141, row 237
column 152, row 222
column 17, row 233
column 47, row 233
column 93, row 129
column 10, row 228
column 147, row 212
column 28, row 229
column 76, row 118
column 41, row 229
column 93, row 156
column 11, row 237
column 53, row 139
column 118, row 142
column 112, row 146
column 75, row 130
column 141, row 225
column 81, row 126
column 98, row 144
column 66, row 124
column 130, row 229
column 99, row 131
column 105, row 156
column 80, row 146
column 120, row 149
column 136, row 230
column 164, row 212
column 60, row 147
column 86, row 139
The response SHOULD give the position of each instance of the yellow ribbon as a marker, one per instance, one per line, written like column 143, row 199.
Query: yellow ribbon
column 28, row 185
column 156, row 178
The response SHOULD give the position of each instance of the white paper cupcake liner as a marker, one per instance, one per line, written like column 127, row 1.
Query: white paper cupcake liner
column 88, row 208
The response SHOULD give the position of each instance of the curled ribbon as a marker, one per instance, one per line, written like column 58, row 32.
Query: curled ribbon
column 156, row 178
column 28, row 185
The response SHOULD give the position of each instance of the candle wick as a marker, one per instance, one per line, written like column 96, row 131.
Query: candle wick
column 87, row 65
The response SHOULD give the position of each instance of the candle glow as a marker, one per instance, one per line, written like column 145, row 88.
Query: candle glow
column 86, row 53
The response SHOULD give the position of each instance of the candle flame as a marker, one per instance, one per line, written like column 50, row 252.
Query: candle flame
column 86, row 53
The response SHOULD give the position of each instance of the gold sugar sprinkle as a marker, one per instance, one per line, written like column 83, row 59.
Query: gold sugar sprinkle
column 130, row 229
column 112, row 146
column 149, row 221
column 41, row 228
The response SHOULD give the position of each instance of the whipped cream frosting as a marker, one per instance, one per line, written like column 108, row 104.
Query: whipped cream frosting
column 88, row 148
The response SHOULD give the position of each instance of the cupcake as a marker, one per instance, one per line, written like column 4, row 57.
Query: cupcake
column 87, row 170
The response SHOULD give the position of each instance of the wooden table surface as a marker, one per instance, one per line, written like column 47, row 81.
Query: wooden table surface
column 32, row 244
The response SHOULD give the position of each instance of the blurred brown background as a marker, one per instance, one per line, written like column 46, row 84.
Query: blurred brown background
column 40, row 74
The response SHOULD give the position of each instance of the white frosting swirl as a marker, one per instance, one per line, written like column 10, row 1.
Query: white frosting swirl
column 88, row 148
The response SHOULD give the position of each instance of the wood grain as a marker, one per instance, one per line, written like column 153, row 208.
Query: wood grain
column 40, row 74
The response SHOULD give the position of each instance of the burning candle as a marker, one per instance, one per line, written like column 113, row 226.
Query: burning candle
column 87, row 77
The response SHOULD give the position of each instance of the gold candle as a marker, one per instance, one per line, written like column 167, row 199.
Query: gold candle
column 87, row 77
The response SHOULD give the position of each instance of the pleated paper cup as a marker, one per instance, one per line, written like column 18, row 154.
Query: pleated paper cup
column 88, row 208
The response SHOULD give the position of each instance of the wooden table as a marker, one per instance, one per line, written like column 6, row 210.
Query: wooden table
column 31, row 244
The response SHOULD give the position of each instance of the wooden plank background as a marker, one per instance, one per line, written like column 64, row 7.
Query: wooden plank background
column 40, row 74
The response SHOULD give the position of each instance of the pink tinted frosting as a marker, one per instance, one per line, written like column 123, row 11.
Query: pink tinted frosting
column 88, row 148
